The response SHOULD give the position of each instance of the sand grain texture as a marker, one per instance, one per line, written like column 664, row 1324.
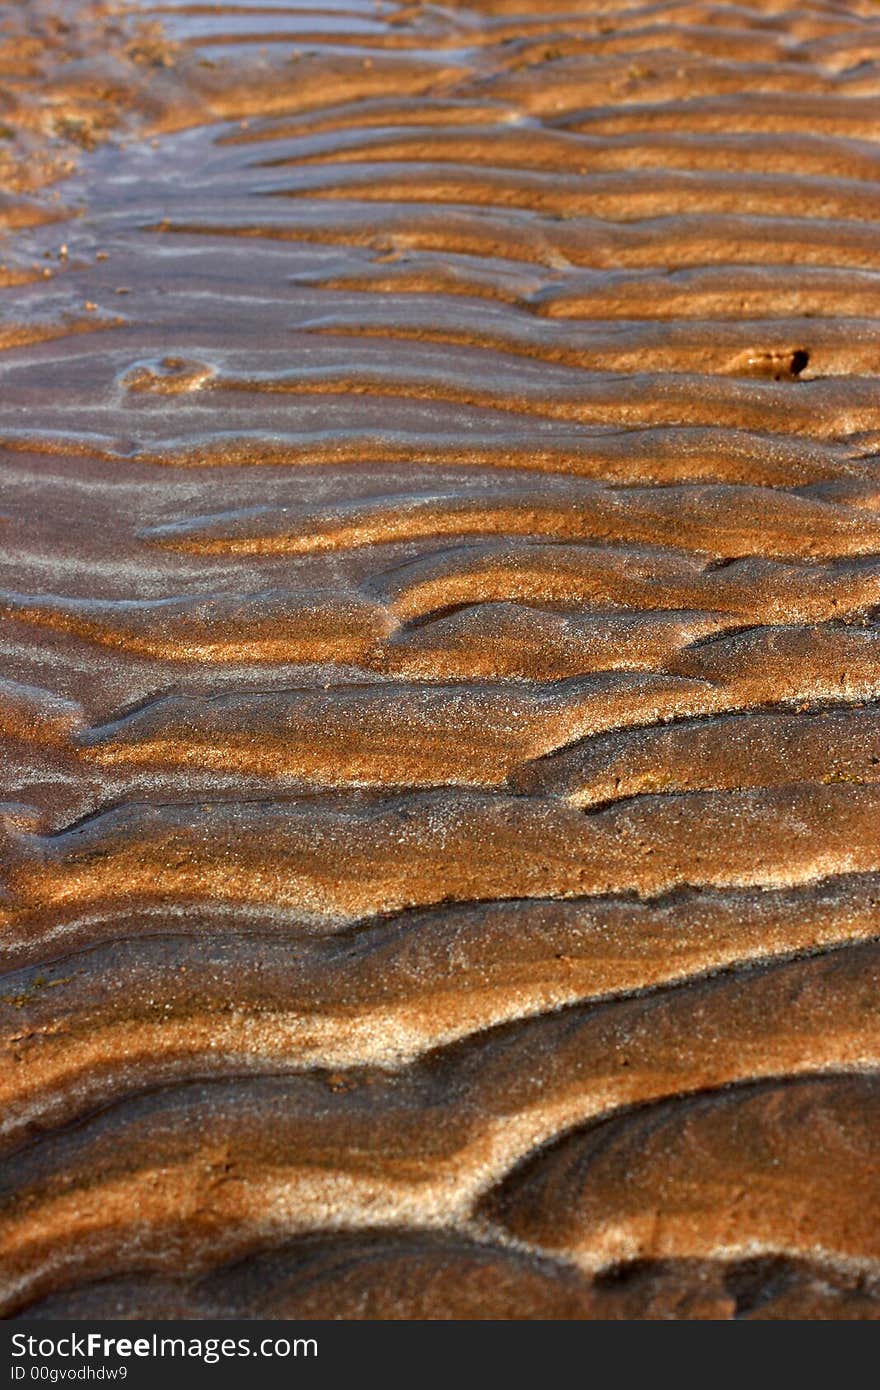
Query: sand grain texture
column 440, row 660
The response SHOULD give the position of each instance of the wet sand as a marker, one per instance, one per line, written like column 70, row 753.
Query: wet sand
column 439, row 660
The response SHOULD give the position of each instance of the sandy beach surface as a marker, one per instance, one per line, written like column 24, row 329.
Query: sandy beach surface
column 440, row 659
